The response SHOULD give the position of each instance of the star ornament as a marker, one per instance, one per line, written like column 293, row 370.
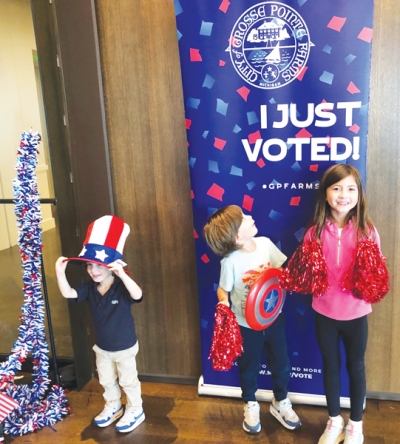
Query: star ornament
column 84, row 250
column 101, row 255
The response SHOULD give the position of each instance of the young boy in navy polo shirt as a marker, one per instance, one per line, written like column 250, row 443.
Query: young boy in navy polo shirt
column 110, row 295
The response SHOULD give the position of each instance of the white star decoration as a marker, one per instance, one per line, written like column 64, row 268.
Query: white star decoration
column 101, row 255
column 272, row 301
column 82, row 252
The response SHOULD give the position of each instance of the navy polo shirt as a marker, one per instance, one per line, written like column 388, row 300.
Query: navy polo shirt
column 112, row 317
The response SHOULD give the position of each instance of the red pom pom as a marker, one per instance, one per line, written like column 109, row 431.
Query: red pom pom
column 370, row 278
column 227, row 339
column 307, row 271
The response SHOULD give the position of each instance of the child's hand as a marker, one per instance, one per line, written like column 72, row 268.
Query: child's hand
column 60, row 265
column 117, row 269
column 225, row 303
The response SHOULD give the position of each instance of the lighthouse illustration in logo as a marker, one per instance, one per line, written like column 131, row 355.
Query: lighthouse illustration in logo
column 269, row 45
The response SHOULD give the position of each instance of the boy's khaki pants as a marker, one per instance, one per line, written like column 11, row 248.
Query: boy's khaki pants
column 119, row 367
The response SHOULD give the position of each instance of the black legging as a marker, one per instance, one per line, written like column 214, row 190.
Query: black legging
column 354, row 334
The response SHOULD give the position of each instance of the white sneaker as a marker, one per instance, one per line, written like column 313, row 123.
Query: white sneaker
column 110, row 413
column 284, row 413
column 354, row 433
column 251, row 423
column 131, row 419
column 334, row 432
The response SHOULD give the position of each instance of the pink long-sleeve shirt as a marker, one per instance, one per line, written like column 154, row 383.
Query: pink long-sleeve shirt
column 336, row 303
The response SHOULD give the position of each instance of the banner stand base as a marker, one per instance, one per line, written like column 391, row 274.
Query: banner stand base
column 264, row 395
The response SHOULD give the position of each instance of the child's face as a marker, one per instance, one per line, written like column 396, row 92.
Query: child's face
column 247, row 230
column 98, row 272
column 342, row 196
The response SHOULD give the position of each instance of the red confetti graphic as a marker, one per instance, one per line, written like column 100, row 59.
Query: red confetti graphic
column 247, row 203
column 195, row 234
column 370, row 279
column 313, row 167
column 227, row 339
column 222, row 63
column 188, row 123
column 324, row 101
column 303, row 133
column 219, row 143
column 192, row 194
column 354, row 128
column 352, row 88
column 224, row 5
column 216, row 192
column 336, row 23
column 243, row 92
column 300, row 72
column 260, row 163
column 205, row 259
column 254, row 137
column 294, row 201
column 329, row 143
column 195, row 55
column 366, row 35
column 307, row 271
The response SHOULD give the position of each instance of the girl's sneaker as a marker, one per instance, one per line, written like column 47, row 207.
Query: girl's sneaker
column 334, row 432
column 284, row 413
column 131, row 419
column 110, row 413
column 354, row 433
column 251, row 423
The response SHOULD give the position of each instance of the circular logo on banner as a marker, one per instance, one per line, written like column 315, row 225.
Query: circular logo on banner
column 265, row 300
column 269, row 45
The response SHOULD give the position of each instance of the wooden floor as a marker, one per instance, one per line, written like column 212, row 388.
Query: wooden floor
column 176, row 414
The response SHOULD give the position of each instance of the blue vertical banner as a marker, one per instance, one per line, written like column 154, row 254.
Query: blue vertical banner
column 275, row 93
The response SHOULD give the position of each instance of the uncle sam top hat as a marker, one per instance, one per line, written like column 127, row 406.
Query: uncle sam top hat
column 105, row 241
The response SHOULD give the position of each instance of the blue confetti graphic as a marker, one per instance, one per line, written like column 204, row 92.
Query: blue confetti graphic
column 236, row 171
column 327, row 49
column 222, row 107
column 299, row 233
column 206, row 28
column 208, row 82
column 327, row 77
column 193, row 103
column 213, row 166
column 251, row 185
column 252, row 118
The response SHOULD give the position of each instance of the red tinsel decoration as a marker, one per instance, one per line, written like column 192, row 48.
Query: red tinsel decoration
column 227, row 339
column 370, row 279
column 307, row 271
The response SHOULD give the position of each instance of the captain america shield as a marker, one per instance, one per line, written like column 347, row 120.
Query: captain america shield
column 265, row 300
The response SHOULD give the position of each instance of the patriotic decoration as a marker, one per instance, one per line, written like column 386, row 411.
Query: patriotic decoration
column 227, row 339
column 40, row 405
column 265, row 300
column 7, row 405
column 105, row 241
column 275, row 92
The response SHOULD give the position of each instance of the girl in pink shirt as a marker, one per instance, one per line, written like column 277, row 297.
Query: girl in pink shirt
column 340, row 221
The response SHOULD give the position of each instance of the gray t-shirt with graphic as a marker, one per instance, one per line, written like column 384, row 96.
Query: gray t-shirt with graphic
column 240, row 270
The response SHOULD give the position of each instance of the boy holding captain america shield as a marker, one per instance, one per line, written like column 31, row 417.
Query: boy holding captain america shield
column 230, row 234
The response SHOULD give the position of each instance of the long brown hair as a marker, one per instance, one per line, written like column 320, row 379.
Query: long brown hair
column 363, row 225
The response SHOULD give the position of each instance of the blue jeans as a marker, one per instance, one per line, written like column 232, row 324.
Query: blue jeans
column 271, row 341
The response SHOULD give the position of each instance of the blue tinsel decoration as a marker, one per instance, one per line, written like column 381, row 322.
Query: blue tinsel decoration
column 36, row 410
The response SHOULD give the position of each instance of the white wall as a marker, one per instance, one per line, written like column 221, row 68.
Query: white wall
column 19, row 109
